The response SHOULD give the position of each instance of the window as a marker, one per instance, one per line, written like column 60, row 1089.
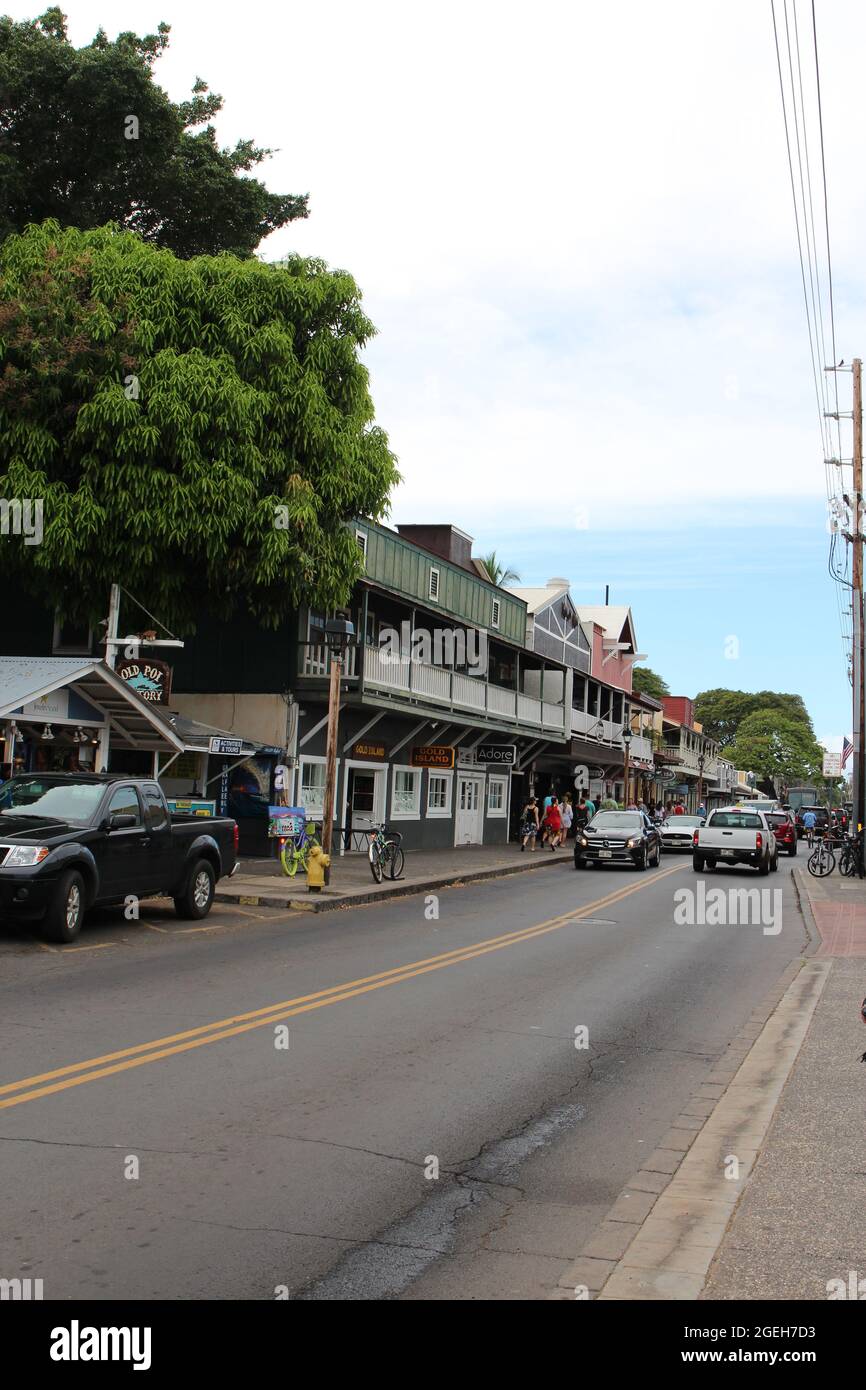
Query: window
column 494, row 616
column 433, row 591
column 124, row 802
column 154, row 807
column 71, row 638
column 406, row 794
column 313, row 787
column 496, row 796
column 439, row 794
column 361, row 538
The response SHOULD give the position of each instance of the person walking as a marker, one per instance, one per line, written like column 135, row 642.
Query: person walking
column 552, row 824
column 566, row 811
column 529, row 824
column 590, row 808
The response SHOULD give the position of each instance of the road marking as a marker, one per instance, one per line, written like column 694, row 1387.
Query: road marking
column 78, row 1073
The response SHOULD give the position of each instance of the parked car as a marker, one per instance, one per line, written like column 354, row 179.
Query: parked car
column 72, row 841
column 784, row 829
column 735, row 836
column 618, row 837
column 677, row 832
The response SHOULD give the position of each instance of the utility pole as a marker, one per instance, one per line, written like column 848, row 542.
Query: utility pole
column 331, row 756
column 857, row 601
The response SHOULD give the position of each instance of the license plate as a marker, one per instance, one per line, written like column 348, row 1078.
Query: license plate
column 605, row 854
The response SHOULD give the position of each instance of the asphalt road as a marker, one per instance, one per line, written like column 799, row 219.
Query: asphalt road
column 159, row 1139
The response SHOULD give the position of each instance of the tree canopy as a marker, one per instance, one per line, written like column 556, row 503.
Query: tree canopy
column 776, row 748
column 647, row 682
column 498, row 572
column 87, row 137
column 721, row 712
column 200, row 430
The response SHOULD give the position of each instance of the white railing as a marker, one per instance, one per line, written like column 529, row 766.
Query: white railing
column 528, row 709
column 468, row 691
column 316, row 660
column 642, row 748
column 552, row 716
column 502, row 702
column 381, row 668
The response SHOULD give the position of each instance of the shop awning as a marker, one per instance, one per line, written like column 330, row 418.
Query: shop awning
column 102, row 698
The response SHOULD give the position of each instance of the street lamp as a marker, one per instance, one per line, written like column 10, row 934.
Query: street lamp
column 339, row 632
column 626, row 745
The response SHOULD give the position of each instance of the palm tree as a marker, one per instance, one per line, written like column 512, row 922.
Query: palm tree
column 499, row 574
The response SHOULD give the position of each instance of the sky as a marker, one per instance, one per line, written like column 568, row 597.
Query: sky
column 573, row 228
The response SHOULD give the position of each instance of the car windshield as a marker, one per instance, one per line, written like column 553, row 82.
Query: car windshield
column 736, row 820
column 616, row 820
column 40, row 797
column 676, row 821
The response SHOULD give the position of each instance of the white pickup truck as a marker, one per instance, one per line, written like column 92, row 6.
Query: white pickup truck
column 735, row 835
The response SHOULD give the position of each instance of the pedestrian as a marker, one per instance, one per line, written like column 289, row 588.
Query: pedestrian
column 552, row 823
column 581, row 815
column 566, row 811
column 702, row 811
column 529, row 824
column 679, row 809
column 590, row 808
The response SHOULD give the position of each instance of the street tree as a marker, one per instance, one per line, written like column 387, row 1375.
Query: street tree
column 200, row 430
column 87, row 137
column 777, row 749
column 647, row 682
column 722, row 712
column 497, row 572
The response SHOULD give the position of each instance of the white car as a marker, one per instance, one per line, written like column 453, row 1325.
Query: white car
column 735, row 835
column 678, row 832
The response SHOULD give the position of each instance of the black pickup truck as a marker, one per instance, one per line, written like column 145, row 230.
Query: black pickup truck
column 70, row 841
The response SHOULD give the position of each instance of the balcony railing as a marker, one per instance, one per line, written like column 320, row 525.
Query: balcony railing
column 688, row 758
column 437, row 685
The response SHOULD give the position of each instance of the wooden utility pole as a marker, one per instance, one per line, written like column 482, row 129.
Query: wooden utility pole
column 857, row 600
column 331, row 755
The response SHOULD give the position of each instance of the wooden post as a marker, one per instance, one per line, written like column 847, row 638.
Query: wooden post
column 331, row 756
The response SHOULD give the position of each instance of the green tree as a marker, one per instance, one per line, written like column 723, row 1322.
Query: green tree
column 776, row 748
column 647, row 682
column 87, row 137
column 721, row 712
column 199, row 430
column 499, row 573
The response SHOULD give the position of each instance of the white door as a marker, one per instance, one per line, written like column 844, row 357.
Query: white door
column 469, row 817
column 365, row 803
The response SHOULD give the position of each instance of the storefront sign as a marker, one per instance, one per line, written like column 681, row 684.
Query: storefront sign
column 149, row 679
column 285, row 822
column 232, row 747
column 189, row 807
column 504, row 754
column 53, row 706
column 433, row 755
column 374, row 752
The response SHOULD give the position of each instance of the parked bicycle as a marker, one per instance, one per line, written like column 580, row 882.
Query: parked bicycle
column 851, row 858
column 385, row 853
column 295, row 849
column 822, row 860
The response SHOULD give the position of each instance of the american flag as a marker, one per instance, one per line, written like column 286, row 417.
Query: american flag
column 847, row 750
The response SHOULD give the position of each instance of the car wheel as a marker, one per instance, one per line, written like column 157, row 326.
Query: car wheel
column 710, row 866
column 793, row 850
column 579, row 863
column 643, row 862
column 698, row 863
column 658, row 858
column 197, row 897
column 774, row 863
column 764, row 868
column 62, row 921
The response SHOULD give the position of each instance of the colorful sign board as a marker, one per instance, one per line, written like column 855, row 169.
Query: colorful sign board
column 286, row 822
column 150, row 679
column 433, row 755
column 189, row 806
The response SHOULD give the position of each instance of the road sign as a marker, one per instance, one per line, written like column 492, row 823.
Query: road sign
column 832, row 764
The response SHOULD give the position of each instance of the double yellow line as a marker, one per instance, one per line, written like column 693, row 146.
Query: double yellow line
column 142, row 1054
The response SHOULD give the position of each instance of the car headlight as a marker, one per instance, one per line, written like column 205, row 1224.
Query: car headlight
column 633, row 842
column 584, row 840
column 25, row 856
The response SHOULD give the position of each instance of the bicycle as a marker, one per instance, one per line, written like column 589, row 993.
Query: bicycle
column 822, row 860
column 851, row 859
column 295, row 849
column 384, row 852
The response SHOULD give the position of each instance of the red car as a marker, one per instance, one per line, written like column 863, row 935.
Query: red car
column 784, row 828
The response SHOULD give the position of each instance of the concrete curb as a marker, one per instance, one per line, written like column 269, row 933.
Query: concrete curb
column 356, row 897
column 661, row 1236
column 804, row 901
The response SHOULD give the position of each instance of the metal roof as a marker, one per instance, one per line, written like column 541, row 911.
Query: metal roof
column 133, row 722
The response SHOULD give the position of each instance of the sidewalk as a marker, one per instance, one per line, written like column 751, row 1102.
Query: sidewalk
column 262, row 882
column 786, row 1102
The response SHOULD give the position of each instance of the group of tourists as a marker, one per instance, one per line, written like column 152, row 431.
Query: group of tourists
column 553, row 820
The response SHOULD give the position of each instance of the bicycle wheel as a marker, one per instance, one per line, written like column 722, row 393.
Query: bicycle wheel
column 377, row 855
column 395, row 861
column 286, row 851
column 821, row 862
column 291, row 861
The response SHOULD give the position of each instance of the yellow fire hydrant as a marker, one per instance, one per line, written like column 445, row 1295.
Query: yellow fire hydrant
column 317, row 862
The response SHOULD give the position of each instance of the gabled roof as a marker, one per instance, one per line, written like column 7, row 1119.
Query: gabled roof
column 538, row 598
column 614, row 620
